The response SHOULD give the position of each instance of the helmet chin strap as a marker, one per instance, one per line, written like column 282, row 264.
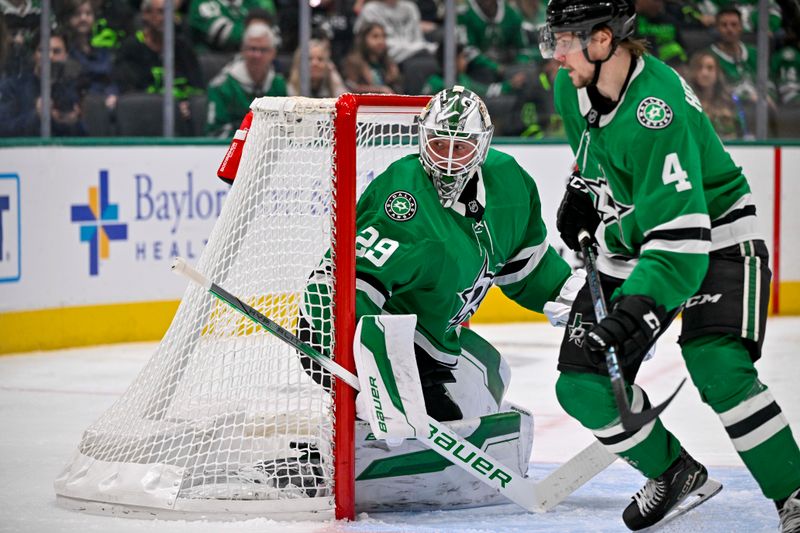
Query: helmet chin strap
column 598, row 63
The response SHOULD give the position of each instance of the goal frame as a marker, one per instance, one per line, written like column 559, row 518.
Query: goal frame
column 344, row 234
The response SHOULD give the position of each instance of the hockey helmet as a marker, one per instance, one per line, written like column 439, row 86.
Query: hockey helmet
column 581, row 18
column 454, row 136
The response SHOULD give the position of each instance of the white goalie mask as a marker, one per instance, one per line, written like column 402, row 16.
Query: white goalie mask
column 454, row 136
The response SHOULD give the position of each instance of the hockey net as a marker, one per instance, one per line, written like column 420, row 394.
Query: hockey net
column 223, row 419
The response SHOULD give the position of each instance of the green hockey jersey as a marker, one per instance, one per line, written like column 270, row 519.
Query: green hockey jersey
column 415, row 257
column 666, row 190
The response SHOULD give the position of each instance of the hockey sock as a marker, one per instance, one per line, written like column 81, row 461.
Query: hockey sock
column 589, row 399
column 723, row 372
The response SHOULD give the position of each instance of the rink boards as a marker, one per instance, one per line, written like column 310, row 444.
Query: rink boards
column 87, row 233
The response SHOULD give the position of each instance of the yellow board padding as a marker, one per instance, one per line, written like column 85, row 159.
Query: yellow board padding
column 789, row 297
column 280, row 308
column 51, row 329
column 497, row 307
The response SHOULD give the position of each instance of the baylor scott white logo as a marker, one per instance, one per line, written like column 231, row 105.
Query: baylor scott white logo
column 654, row 113
column 400, row 206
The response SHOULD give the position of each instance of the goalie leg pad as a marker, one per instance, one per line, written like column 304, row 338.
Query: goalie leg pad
column 481, row 378
column 414, row 477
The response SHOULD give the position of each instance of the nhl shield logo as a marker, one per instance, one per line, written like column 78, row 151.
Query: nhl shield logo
column 654, row 113
column 400, row 206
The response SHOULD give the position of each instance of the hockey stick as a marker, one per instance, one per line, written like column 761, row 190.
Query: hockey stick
column 630, row 421
column 530, row 495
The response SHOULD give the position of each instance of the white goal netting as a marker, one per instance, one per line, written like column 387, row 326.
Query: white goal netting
column 223, row 418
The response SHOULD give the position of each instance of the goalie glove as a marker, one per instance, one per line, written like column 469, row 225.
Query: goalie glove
column 557, row 311
column 630, row 328
column 230, row 163
column 576, row 212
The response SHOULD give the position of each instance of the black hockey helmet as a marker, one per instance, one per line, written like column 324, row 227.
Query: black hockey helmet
column 582, row 17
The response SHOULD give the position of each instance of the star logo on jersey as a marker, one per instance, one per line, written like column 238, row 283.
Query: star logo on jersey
column 654, row 113
column 607, row 207
column 577, row 331
column 473, row 295
column 400, row 206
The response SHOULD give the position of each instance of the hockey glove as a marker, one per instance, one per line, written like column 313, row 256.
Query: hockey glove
column 631, row 327
column 557, row 311
column 576, row 212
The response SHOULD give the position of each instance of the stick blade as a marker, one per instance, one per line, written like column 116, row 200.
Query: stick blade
column 634, row 421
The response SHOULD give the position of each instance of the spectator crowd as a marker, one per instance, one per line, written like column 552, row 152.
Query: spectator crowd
column 107, row 76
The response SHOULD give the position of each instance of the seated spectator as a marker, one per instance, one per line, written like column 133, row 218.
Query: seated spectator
column 114, row 21
column 435, row 82
column 21, row 104
column 21, row 19
column 533, row 18
column 138, row 66
column 331, row 20
column 431, row 14
column 534, row 116
column 709, row 9
column 325, row 80
column 247, row 77
column 368, row 68
column 406, row 44
column 722, row 109
column 219, row 24
column 737, row 59
column 661, row 31
column 96, row 64
column 786, row 70
column 494, row 38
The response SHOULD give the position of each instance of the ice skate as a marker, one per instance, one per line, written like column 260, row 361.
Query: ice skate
column 790, row 513
column 682, row 487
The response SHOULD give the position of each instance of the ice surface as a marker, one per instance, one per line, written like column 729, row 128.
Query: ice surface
column 47, row 400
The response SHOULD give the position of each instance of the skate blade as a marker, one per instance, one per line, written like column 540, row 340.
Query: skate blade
column 710, row 488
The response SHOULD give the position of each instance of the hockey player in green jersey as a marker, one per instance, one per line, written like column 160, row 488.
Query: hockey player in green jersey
column 675, row 225
column 435, row 231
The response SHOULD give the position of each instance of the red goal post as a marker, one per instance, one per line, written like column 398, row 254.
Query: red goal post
column 345, row 158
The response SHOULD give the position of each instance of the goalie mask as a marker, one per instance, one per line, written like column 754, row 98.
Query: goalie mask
column 454, row 136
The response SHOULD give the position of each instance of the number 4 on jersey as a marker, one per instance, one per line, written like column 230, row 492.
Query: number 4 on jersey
column 674, row 173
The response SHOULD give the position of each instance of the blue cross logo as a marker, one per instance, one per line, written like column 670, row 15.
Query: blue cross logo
column 96, row 229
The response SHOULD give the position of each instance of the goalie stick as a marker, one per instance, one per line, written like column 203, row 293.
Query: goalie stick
column 630, row 421
column 532, row 496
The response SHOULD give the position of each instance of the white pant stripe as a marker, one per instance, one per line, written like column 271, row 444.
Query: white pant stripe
column 760, row 434
column 746, row 408
column 745, row 296
column 619, row 447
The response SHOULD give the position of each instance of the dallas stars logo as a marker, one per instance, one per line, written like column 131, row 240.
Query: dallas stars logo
column 577, row 331
column 607, row 207
column 400, row 206
column 473, row 295
column 654, row 113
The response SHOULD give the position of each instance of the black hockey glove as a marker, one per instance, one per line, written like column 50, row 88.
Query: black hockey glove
column 433, row 376
column 576, row 212
column 631, row 327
